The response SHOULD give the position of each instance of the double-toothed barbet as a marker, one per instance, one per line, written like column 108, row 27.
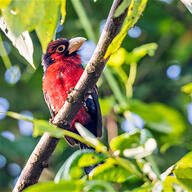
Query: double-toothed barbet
column 62, row 70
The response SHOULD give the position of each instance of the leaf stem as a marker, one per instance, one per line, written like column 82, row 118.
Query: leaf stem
column 131, row 80
column 130, row 168
column 3, row 53
column 114, row 86
column 83, row 19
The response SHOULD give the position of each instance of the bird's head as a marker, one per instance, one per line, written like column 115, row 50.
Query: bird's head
column 61, row 49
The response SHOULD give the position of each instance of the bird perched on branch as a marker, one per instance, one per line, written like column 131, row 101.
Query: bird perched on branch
column 62, row 70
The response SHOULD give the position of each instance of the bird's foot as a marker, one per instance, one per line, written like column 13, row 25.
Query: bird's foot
column 51, row 120
column 71, row 89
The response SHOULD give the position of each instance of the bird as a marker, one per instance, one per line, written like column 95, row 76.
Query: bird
column 62, row 69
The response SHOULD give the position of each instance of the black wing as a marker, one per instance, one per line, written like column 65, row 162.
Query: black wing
column 95, row 123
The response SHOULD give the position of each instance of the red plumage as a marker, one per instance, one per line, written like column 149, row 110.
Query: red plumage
column 62, row 70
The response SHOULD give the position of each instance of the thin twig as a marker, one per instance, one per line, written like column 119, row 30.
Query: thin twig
column 41, row 154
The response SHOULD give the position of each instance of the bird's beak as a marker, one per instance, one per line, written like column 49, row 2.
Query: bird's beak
column 75, row 44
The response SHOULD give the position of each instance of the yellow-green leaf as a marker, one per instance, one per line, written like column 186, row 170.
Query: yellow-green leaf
column 90, row 158
column 187, row 88
column 110, row 171
column 169, row 184
column 23, row 15
column 4, row 3
column 118, row 58
column 135, row 10
column 41, row 126
column 62, row 186
column 183, row 170
column 46, row 28
column 63, row 11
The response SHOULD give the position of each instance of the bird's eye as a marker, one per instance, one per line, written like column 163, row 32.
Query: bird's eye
column 60, row 49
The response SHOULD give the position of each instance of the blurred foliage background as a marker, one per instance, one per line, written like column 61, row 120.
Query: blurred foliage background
column 155, row 101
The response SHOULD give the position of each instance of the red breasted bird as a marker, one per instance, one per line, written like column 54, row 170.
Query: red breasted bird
column 62, row 70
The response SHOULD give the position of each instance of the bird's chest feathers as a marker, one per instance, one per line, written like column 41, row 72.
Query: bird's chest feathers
column 58, row 80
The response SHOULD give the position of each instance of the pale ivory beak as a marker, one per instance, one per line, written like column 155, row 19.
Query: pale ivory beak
column 75, row 44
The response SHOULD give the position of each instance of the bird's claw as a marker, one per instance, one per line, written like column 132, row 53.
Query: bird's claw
column 51, row 120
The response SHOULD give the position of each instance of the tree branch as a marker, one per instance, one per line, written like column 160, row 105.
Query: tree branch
column 41, row 154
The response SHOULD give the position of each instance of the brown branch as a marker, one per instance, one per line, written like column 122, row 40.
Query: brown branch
column 41, row 154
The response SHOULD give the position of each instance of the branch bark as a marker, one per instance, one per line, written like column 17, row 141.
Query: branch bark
column 41, row 154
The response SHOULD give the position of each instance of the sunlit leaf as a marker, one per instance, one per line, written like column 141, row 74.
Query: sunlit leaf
column 136, row 145
column 135, row 10
column 140, row 52
column 187, row 88
column 71, row 169
column 23, row 15
column 41, row 126
column 117, row 58
column 90, row 158
column 183, row 170
column 4, row 3
column 46, row 28
column 63, row 11
column 22, row 42
column 171, row 183
column 110, row 171
column 90, row 137
column 60, row 187
column 124, row 5
column 99, row 185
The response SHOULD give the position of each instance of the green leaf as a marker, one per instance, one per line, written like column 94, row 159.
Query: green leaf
column 4, row 3
column 110, row 171
column 63, row 11
column 41, row 126
column 98, row 185
column 125, row 141
column 139, row 52
column 183, row 170
column 71, row 169
column 135, row 10
column 23, row 15
column 171, row 183
column 187, row 88
column 90, row 158
column 60, row 187
column 87, row 135
column 129, row 140
column 46, row 28
column 118, row 58
column 23, row 42
column 135, row 145
column 124, row 5
column 159, row 117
